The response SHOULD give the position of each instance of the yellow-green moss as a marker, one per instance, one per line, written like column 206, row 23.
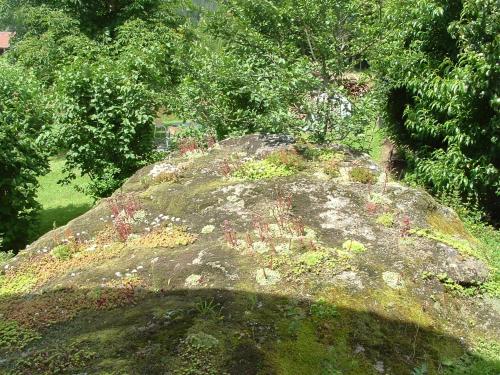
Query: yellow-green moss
column 166, row 237
column 362, row 175
column 162, row 178
column 331, row 168
column 261, row 169
column 300, row 355
column 464, row 247
column 354, row 246
column 288, row 158
column 277, row 164
column 15, row 284
column 181, row 202
column 386, row 219
column 449, row 226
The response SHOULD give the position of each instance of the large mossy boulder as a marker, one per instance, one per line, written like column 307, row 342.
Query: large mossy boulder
column 256, row 256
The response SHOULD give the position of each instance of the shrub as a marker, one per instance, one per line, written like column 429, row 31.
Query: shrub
column 23, row 157
column 238, row 92
column 45, row 39
column 266, row 57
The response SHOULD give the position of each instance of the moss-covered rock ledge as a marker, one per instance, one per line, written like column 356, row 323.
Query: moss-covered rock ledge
column 256, row 256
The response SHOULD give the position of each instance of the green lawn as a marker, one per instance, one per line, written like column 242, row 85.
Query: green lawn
column 59, row 203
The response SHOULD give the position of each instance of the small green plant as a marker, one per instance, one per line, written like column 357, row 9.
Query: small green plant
column 199, row 354
column 15, row 337
column 202, row 340
column 421, row 370
column 252, row 302
column 289, row 158
column 313, row 258
column 59, row 360
column 482, row 360
column 386, row 219
column 354, row 246
column 62, row 252
column 426, row 275
column 331, row 168
column 455, row 288
column 323, row 310
column 208, row 307
column 492, row 286
column 362, row 175
column 294, row 316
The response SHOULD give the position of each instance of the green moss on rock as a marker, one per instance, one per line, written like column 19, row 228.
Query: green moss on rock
column 354, row 246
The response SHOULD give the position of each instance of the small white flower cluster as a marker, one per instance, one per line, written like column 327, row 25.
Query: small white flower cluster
column 128, row 272
column 107, row 218
column 79, row 237
column 162, row 168
column 45, row 249
column 157, row 221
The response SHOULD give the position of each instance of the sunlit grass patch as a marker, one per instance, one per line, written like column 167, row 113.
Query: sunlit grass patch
column 60, row 203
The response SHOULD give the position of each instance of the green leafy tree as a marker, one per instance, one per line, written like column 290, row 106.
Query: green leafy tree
column 334, row 35
column 257, row 63
column 106, row 66
column 22, row 157
column 98, row 17
column 236, row 93
column 440, row 62
column 105, row 122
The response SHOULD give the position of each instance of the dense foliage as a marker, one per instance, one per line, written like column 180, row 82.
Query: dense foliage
column 107, row 105
column 107, row 88
column 258, row 64
column 441, row 63
column 22, row 156
column 106, row 123
column 236, row 93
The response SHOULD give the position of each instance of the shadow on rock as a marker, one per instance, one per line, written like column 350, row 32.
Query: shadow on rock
column 210, row 331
